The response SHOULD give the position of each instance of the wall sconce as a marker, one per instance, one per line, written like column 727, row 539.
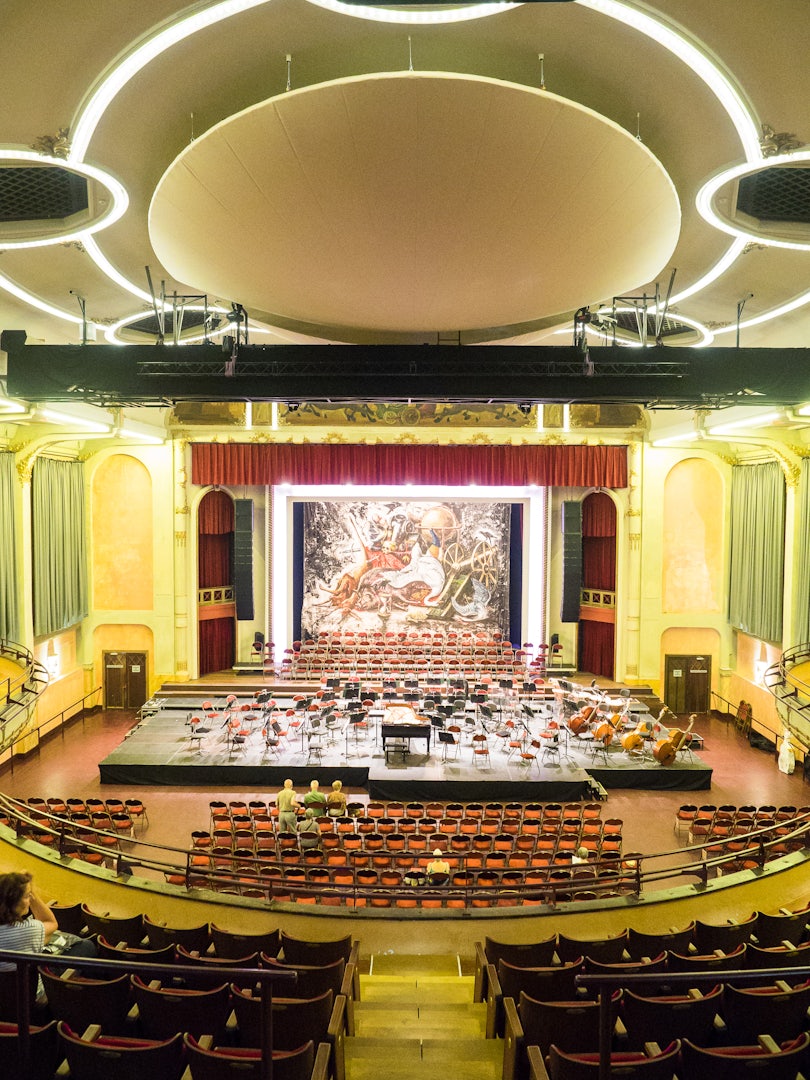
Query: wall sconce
column 52, row 660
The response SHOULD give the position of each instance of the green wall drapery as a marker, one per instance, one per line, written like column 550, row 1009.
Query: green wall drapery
column 59, row 545
column 9, row 589
column 757, row 550
column 385, row 463
column 802, row 583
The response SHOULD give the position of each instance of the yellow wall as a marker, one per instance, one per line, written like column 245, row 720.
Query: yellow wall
column 122, row 535
column 121, row 637
column 693, row 538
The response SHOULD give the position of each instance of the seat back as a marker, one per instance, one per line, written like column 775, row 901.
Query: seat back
column 608, row 950
column 641, row 944
column 300, row 951
column 230, row 945
column 103, row 1057
column 737, row 1062
column 295, row 1020
column 529, row 954
column 193, row 938
column 243, row 1064
column 312, row 981
column 128, row 928
column 751, row 1009
column 81, row 1002
column 660, row 1020
column 661, row 1066
column 44, row 1043
column 553, row 983
column 165, row 1011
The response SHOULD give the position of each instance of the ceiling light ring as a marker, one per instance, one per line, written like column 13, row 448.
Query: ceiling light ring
column 706, row 196
column 115, row 190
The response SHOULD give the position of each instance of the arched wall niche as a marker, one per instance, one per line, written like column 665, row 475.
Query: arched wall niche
column 693, row 537
column 122, row 535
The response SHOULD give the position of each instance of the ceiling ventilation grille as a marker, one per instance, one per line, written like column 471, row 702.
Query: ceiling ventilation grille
column 778, row 194
column 40, row 194
column 192, row 320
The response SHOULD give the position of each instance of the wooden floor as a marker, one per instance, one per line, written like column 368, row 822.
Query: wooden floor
column 67, row 766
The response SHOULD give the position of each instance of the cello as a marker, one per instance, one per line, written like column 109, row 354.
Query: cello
column 581, row 720
column 665, row 750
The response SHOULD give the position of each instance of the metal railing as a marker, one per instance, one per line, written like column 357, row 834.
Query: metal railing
column 76, row 710
column 18, row 694
column 25, row 965
column 275, row 881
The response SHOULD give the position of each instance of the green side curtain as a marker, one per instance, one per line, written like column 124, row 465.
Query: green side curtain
column 9, row 589
column 60, row 545
column 802, row 591
column 757, row 550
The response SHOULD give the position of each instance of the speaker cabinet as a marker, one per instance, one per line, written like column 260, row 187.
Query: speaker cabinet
column 243, row 558
column 572, row 561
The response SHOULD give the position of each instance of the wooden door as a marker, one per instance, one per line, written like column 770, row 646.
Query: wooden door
column 687, row 683
column 125, row 682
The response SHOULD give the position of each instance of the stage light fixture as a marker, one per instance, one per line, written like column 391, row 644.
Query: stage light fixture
column 293, row 406
column 525, row 407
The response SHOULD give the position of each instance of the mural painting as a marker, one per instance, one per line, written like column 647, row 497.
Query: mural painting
column 398, row 564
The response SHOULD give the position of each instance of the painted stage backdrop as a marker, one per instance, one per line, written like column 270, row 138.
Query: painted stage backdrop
column 400, row 565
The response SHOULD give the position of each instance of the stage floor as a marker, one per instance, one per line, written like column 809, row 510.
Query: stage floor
column 159, row 750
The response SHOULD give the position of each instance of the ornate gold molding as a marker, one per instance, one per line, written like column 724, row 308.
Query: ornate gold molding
column 180, row 538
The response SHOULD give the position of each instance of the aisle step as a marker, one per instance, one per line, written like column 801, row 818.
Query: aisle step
column 416, row 1015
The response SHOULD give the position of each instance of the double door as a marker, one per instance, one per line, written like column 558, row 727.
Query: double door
column 687, row 683
column 125, row 684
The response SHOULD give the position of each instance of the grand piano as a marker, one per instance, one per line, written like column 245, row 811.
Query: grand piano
column 401, row 722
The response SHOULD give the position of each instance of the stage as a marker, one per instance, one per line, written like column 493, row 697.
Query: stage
column 161, row 750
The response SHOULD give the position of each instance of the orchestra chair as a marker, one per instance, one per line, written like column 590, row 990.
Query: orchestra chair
column 93, row 1056
column 163, row 1011
column 81, row 1002
column 451, row 738
column 652, row 1064
column 480, row 750
column 209, row 1062
column 572, row 1026
column 676, row 1016
column 777, row 1008
column 767, row 1059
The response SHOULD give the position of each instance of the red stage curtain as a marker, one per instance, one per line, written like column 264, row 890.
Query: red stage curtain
column 596, row 648
column 598, row 515
column 215, row 515
column 599, row 563
column 214, row 560
column 216, row 645
column 251, row 464
column 599, row 543
column 215, row 540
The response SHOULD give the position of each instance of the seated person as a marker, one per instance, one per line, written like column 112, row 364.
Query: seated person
column 315, row 800
column 309, row 832
column 438, row 869
column 336, row 800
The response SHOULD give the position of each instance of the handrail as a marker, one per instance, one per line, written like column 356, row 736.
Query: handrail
column 252, row 874
column 24, row 962
column 776, row 679
column 17, row 652
column 80, row 705
column 609, row 982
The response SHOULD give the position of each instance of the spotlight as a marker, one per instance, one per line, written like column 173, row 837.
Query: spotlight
column 293, row 406
column 525, row 407
column 236, row 314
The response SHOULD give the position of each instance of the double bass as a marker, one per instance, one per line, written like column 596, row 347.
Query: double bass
column 581, row 720
column 665, row 750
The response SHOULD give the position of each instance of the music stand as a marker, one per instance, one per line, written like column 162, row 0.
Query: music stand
column 446, row 738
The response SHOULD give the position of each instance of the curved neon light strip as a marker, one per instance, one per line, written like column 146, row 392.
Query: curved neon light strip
column 706, row 195
column 41, row 305
column 719, row 268
column 136, row 60
column 628, row 14
column 774, row 313
column 413, row 17
column 707, row 334
column 673, row 40
column 119, row 199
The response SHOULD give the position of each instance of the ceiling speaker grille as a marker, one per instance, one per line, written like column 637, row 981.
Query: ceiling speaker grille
column 778, row 194
column 192, row 320
column 40, row 194
column 626, row 320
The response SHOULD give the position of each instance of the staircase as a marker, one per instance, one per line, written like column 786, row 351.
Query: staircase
column 416, row 1018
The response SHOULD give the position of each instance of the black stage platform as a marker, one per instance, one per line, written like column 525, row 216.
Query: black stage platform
column 161, row 751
